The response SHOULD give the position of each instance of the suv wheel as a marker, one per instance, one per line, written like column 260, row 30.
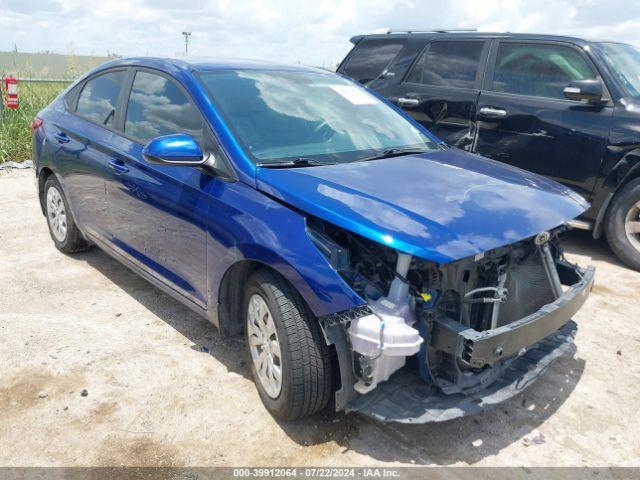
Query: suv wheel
column 290, row 360
column 623, row 224
column 62, row 227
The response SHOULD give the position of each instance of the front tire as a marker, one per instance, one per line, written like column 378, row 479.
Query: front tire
column 623, row 224
column 289, row 358
column 62, row 226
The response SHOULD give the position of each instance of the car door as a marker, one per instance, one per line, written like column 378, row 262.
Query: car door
column 441, row 89
column 525, row 120
column 82, row 147
column 158, row 213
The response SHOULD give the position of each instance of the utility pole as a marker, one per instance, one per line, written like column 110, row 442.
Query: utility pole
column 187, row 38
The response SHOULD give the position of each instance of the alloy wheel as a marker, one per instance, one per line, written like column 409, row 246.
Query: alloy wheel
column 264, row 346
column 632, row 225
column 57, row 214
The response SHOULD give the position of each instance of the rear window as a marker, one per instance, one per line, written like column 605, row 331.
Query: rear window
column 369, row 58
column 453, row 64
column 99, row 98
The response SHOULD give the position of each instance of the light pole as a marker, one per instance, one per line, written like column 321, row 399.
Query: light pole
column 187, row 38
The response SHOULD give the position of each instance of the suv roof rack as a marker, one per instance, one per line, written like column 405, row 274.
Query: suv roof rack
column 430, row 30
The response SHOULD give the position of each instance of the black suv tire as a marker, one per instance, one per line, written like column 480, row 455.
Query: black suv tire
column 69, row 239
column 304, row 363
column 625, row 203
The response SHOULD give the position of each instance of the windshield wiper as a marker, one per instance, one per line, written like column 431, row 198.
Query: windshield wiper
column 392, row 152
column 298, row 162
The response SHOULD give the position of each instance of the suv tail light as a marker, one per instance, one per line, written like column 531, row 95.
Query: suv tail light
column 35, row 124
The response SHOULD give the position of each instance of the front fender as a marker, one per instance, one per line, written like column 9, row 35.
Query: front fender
column 256, row 228
column 322, row 288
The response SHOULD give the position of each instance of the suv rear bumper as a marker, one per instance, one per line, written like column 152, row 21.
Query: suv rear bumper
column 527, row 348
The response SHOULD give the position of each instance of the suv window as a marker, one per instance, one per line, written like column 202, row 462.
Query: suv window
column 537, row 69
column 453, row 64
column 369, row 59
column 99, row 97
column 158, row 107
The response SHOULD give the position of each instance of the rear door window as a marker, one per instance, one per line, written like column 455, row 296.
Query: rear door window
column 446, row 63
column 369, row 59
column 99, row 98
column 539, row 70
column 157, row 107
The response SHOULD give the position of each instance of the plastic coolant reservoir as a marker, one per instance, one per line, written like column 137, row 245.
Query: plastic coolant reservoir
column 386, row 338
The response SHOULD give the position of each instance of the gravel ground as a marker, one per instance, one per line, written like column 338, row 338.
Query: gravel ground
column 98, row 367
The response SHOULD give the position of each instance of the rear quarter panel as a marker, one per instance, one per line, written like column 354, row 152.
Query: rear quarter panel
column 43, row 148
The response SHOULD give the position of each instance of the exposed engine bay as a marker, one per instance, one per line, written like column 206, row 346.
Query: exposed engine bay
column 457, row 324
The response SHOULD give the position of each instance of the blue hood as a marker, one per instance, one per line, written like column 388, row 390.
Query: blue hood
column 441, row 206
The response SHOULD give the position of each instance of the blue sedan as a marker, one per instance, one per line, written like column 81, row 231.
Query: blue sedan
column 369, row 265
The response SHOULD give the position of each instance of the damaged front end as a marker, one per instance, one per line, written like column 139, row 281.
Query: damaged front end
column 439, row 341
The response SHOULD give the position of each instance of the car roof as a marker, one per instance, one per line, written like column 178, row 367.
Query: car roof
column 202, row 64
column 473, row 34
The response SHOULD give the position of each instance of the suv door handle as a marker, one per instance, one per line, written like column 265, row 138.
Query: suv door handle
column 492, row 112
column 408, row 102
column 118, row 166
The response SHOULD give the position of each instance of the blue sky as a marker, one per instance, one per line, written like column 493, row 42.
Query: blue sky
column 312, row 32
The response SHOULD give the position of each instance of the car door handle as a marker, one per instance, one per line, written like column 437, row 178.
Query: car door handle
column 118, row 167
column 62, row 137
column 408, row 102
column 492, row 112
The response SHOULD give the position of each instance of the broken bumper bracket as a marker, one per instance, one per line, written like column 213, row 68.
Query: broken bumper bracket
column 488, row 347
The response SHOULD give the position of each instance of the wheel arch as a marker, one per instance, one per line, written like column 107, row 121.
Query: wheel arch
column 623, row 171
column 626, row 170
column 229, row 294
column 634, row 173
column 293, row 258
column 230, row 321
column 43, row 176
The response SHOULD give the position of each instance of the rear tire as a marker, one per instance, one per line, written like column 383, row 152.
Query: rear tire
column 62, row 227
column 622, row 225
column 300, row 352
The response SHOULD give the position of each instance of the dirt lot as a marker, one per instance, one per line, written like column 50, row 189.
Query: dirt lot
column 163, row 389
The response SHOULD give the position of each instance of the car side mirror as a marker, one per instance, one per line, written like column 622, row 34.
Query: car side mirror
column 584, row 90
column 177, row 150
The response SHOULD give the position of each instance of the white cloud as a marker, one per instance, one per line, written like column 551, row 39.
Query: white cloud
column 310, row 31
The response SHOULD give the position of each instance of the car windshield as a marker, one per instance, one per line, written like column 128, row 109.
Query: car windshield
column 624, row 62
column 311, row 117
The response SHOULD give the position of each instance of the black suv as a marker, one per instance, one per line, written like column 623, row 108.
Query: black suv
column 563, row 107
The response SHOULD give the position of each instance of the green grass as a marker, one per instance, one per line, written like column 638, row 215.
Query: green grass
column 15, row 134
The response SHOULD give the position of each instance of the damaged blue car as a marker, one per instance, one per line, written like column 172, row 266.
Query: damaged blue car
column 370, row 266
